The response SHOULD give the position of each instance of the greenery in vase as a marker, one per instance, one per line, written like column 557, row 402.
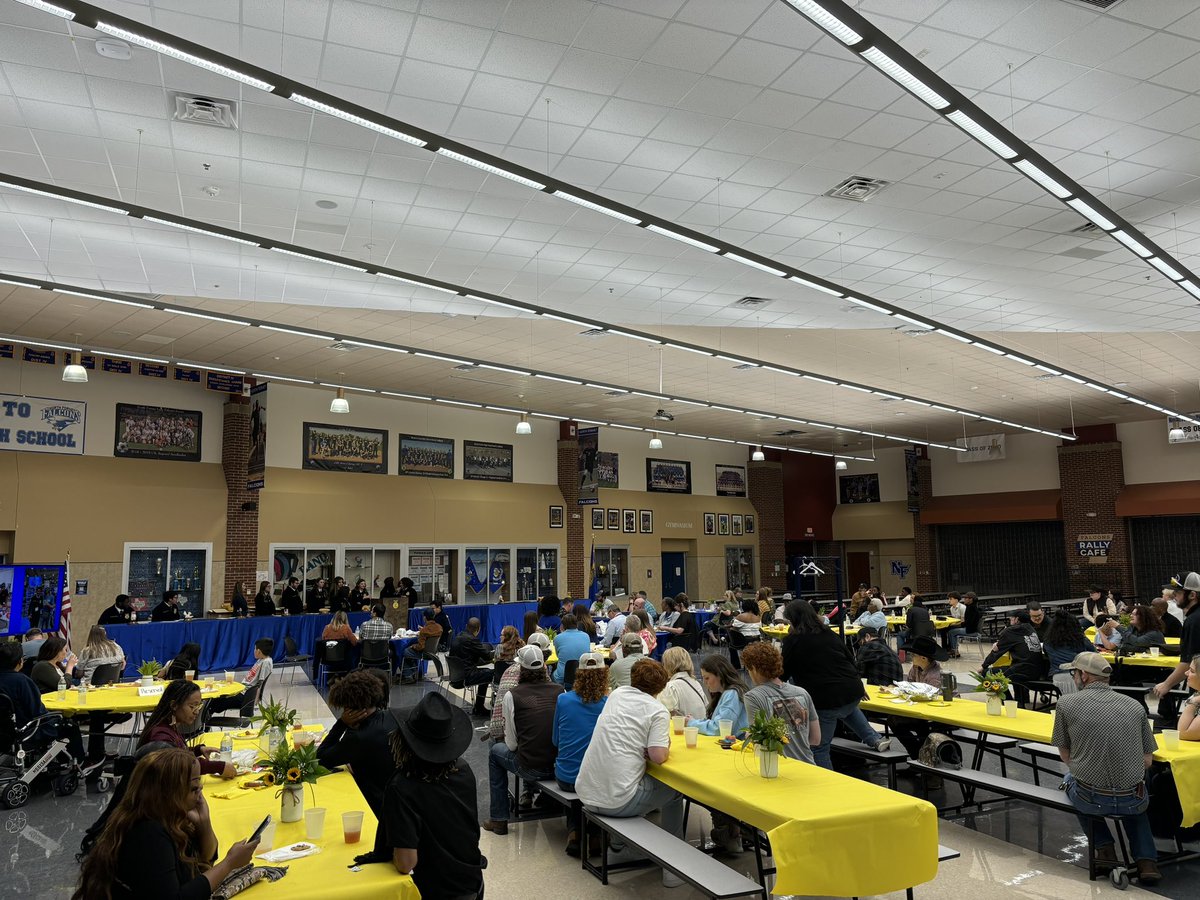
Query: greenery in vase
column 291, row 765
column 1125, row 620
column 767, row 733
column 993, row 683
column 550, row 633
column 149, row 668
column 275, row 715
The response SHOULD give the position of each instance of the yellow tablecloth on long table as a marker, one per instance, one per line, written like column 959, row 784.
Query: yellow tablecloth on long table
column 324, row 874
column 124, row 698
column 939, row 622
column 778, row 632
column 1144, row 659
column 1172, row 642
column 1039, row 726
column 595, row 648
column 830, row 834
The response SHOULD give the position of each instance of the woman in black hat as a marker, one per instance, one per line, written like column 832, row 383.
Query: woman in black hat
column 924, row 653
column 429, row 806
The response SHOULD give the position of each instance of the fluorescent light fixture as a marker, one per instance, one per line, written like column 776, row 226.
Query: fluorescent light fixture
column 588, row 204
column 568, row 320
column 904, row 78
column 732, row 409
column 371, row 346
column 981, row 134
column 296, row 332
column 626, row 427
column 988, row 347
column 64, row 198
column 495, row 170
column 149, row 359
column 921, row 323
column 686, row 402
column 820, row 379
column 319, row 259
column 827, row 21
column 887, row 395
column 1025, row 167
column 1118, row 395
column 450, row 359
column 699, row 350
column 780, row 371
column 637, row 337
column 494, row 302
column 854, row 387
column 1050, row 369
column 55, row 346
column 198, row 230
column 962, row 338
column 816, row 287
column 1084, row 209
column 917, row 402
column 53, row 10
column 1022, row 360
column 1136, row 246
column 1073, row 378
column 736, row 359
column 557, row 378
column 281, row 378
column 17, row 283
column 104, row 298
column 694, row 437
column 457, row 402
column 167, row 50
column 1172, row 273
column 507, row 369
column 405, row 396
column 549, row 416
column 675, row 235
column 949, row 409
column 421, row 284
column 825, row 425
column 1191, row 288
column 209, row 368
column 755, row 264
column 356, row 119
column 655, row 396
column 195, row 315
column 869, row 305
column 723, row 440
column 1096, row 387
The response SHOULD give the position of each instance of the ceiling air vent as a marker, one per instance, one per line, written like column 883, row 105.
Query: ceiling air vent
column 1085, row 228
column 744, row 367
column 342, row 347
column 791, row 432
column 752, row 302
column 592, row 332
column 210, row 111
column 465, row 367
column 859, row 188
column 1095, row 4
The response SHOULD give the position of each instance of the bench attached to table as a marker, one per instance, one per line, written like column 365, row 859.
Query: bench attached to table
column 889, row 758
column 985, row 742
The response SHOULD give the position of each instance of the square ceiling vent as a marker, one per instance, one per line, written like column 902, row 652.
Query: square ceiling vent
column 211, row 111
column 858, row 188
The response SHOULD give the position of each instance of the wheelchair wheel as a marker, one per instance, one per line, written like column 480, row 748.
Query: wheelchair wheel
column 103, row 784
column 1119, row 878
column 66, row 784
column 15, row 795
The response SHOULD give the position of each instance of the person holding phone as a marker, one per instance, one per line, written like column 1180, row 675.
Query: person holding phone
column 159, row 841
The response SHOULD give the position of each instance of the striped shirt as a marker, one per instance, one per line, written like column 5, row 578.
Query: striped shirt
column 1107, row 735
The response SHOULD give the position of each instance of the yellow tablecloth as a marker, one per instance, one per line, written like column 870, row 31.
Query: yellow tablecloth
column 830, row 834
column 124, row 698
column 780, row 631
column 1160, row 662
column 1172, row 642
column 939, row 622
column 324, row 874
column 603, row 651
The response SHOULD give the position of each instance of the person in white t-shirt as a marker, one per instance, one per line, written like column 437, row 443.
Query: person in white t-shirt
column 633, row 728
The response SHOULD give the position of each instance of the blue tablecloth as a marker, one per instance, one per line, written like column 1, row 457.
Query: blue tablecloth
column 492, row 617
column 224, row 643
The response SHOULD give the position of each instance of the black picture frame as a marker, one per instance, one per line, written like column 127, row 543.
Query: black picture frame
column 556, row 517
column 422, row 456
column 597, row 517
column 668, row 476
column 710, row 523
column 859, row 488
column 749, row 523
column 487, row 461
column 629, row 521
column 723, row 524
column 731, row 481
column 646, row 521
column 157, row 423
column 613, row 517
column 736, row 522
column 343, row 448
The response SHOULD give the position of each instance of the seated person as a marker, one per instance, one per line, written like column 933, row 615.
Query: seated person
column 338, row 629
column 180, row 705
column 748, row 623
column 575, row 715
column 1172, row 627
column 442, row 617
column 430, row 633
column 925, row 654
column 99, row 651
column 876, row 661
column 54, row 662
column 27, row 704
column 507, row 682
column 476, row 657
column 31, row 643
column 1189, row 719
column 726, row 691
column 376, row 628
column 168, row 609
column 874, row 616
column 548, row 613
column 1038, row 619
column 1108, row 632
column 253, row 683
column 1145, row 631
column 775, row 697
column 186, row 660
column 1024, row 647
column 683, row 695
column 120, row 613
column 631, row 651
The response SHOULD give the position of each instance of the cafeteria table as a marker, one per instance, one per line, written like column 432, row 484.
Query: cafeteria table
column 1171, row 642
column 124, row 698
column 830, row 834
column 236, row 812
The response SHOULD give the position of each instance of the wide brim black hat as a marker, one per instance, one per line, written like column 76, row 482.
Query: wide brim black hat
column 436, row 731
column 926, row 646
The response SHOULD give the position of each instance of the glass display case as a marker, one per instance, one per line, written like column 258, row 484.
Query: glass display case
column 434, row 572
column 612, row 565
column 151, row 571
column 536, row 574
column 739, row 568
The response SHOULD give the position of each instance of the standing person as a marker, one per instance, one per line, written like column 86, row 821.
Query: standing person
column 117, row 614
column 180, row 704
column 1105, row 740
column 168, row 609
column 476, row 657
column 158, row 840
column 527, row 749
column 360, row 597
column 318, row 597
column 1189, row 641
column 777, row 698
column 633, row 730
column 570, row 643
column 388, row 591
column 339, row 598
column 398, row 606
column 264, row 603
column 575, row 715
column 683, row 694
column 237, row 603
column 817, row 660
column 429, row 806
column 291, row 601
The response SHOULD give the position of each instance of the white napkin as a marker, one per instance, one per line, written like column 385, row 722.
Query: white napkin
column 283, row 854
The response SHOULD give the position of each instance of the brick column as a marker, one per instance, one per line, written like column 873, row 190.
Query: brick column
column 1091, row 476
column 241, row 505
column 568, row 484
column 925, row 536
column 765, row 490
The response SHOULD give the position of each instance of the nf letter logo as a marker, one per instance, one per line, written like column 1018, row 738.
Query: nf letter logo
column 60, row 417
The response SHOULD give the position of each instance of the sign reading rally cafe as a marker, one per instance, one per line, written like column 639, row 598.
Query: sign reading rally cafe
column 41, row 425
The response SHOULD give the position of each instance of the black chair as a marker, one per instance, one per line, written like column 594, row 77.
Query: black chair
column 429, row 654
column 499, row 667
column 334, row 659
column 737, row 642
column 293, row 656
column 375, row 655
column 107, row 674
column 570, row 668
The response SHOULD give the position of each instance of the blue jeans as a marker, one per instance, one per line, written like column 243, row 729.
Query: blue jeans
column 501, row 761
column 651, row 794
column 1132, row 808
column 952, row 636
column 854, row 719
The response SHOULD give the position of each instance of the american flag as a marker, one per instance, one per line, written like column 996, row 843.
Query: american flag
column 64, row 618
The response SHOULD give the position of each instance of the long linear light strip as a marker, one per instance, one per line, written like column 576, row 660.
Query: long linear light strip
column 520, row 306
column 818, row 12
column 461, row 361
column 855, row 31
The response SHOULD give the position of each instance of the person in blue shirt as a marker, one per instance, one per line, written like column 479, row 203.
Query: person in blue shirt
column 575, row 716
column 570, row 643
column 726, row 689
column 874, row 616
column 548, row 609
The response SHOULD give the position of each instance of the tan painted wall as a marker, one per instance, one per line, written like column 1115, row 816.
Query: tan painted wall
column 1148, row 458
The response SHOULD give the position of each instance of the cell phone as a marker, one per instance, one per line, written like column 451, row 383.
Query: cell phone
column 262, row 826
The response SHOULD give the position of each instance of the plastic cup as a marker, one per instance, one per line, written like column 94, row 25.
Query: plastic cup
column 690, row 735
column 267, row 840
column 677, row 723
column 314, row 823
column 1170, row 738
column 726, row 726
column 190, row 674
column 1010, row 708
column 229, row 677
column 352, row 826
column 1154, row 651
column 864, row 681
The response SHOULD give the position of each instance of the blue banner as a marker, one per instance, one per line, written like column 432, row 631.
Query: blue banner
column 226, row 384
column 117, row 366
column 192, row 375
column 152, row 370
column 7, row 351
column 45, row 357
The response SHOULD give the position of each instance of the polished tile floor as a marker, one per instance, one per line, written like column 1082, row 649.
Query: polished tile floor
column 1009, row 851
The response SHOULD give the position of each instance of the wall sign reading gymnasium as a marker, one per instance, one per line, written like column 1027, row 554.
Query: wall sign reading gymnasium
column 42, row 425
column 1094, row 547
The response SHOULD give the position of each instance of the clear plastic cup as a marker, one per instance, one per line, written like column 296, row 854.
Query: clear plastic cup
column 314, row 823
column 1010, row 708
column 229, row 677
column 690, row 735
column 190, row 674
column 352, row 826
column 677, row 723
column 1154, row 651
column 1170, row 738
column 726, row 726
column 267, row 840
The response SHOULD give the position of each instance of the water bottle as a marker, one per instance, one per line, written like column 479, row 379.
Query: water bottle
column 83, row 693
column 62, row 686
column 227, row 747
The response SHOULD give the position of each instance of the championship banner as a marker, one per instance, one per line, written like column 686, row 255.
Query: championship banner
column 256, row 465
column 152, row 370
column 189, row 375
column 45, row 357
column 589, row 466
column 42, row 425
column 117, row 366
column 7, row 351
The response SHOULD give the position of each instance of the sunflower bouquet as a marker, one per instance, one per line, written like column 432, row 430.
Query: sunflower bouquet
column 993, row 682
column 290, row 765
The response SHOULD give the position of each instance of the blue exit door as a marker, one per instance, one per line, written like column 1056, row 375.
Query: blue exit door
column 674, row 574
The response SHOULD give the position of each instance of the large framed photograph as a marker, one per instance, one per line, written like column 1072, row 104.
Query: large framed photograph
column 629, row 521
column 646, row 521
column 427, row 457
column 614, row 520
column 710, row 523
column 608, row 468
column 485, row 461
column 155, row 432
column 859, row 488
column 731, row 481
column 597, row 517
column 341, row 448
column 669, row 476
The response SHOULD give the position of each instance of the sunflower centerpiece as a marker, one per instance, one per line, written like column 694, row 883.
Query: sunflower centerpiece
column 995, row 684
column 290, row 768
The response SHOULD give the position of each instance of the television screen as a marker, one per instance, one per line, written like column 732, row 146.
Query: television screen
column 30, row 597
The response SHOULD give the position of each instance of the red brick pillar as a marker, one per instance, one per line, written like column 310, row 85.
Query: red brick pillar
column 568, row 485
column 924, row 536
column 241, row 505
column 765, row 491
column 1091, row 476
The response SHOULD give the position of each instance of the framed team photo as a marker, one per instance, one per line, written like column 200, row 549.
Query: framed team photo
column 669, row 476
column 485, row 461
column 723, row 523
column 427, row 457
column 731, row 481
column 337, row 448
column 155, row 432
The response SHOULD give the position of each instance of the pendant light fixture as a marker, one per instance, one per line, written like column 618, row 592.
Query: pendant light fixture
column 523, row 427
column 840, row 465
column 1176, row 434
column 655, row 441
column 757, row 455
column 340, row 404
column 73, row 372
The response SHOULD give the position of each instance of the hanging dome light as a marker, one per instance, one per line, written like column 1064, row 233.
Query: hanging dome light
column 340, row 404
column 757, row 455
column 840, row 465
column 74, row 373
column 523, row 427
column 655, row 441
